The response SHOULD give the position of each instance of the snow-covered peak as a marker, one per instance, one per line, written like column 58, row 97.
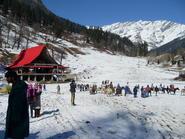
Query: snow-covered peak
column 155, row 33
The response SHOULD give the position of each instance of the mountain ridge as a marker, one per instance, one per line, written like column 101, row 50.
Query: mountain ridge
column 155, row 33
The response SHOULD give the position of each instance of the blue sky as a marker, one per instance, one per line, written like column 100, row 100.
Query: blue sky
column 104, row 12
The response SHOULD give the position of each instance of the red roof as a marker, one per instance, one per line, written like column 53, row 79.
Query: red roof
column 27, row 56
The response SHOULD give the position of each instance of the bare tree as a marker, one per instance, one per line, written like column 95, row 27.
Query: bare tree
column 7, row 24
column 20, row 34
column 1, row 39
column 27, row 35
column 8, row 34
column 15, row 40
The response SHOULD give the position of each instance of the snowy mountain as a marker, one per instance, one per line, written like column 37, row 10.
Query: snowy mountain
column 155, row 33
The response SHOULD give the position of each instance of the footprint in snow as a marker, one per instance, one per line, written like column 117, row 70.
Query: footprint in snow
column 87, row 122
column 112, row 132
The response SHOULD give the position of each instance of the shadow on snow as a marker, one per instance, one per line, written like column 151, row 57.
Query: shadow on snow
column 2, row 133
column 34, row 135
column 64, row 135
column 50, row 112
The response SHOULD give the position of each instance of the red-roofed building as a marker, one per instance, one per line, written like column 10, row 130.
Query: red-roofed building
column 36, row 64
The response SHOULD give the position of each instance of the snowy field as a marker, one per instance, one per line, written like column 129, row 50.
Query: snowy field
column 108, row 117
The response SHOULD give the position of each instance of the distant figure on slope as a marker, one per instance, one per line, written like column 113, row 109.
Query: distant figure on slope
column 127, row 89
column 142, row 92
column 135, row 90
column 156, row 90
column 44, row 87
column 148, row 90
column 58, row 89
column 73, row 90
column 111, row 87
column 118, row 90
column 93, row 89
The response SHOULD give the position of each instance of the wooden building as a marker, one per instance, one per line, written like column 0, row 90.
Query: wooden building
column 36, row 64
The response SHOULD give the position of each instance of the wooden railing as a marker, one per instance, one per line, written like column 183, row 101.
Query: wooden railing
column 61, row 76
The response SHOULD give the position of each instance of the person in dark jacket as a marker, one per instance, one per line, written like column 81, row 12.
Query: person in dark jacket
column 17, row 118
column 73, row 90
column 58, row 89
column 135, row 90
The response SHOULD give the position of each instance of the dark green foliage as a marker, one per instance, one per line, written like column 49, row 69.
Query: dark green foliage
column 142, row 49
column 113, row 42
column 177, row 46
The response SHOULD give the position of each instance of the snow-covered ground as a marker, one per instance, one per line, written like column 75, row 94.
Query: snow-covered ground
column 108, row 117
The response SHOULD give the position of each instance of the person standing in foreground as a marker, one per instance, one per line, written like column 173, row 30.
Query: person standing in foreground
column 73, row 90
column 17, row 118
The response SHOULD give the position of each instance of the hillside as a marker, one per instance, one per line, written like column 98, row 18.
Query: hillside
column 155, row 33
column 177, row 46
column 34, row 14
column 15, row 38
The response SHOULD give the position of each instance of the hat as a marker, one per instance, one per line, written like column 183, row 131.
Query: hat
column 11, row 73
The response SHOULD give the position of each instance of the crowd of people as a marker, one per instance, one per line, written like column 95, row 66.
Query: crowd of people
column 109, row 89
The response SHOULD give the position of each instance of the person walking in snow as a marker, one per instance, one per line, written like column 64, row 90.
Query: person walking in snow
column 73, row 90
column 31, row 98
column 156, row 90
column 17, row 118
column 142, row 92
column 111, row 87
column 127, row 89
column 135, row 90
column 44, row 87
column 118, row 90
column 38, row 93
column 58, row 89
column 148, row 91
